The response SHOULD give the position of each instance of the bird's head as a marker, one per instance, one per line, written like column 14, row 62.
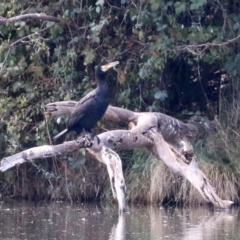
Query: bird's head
column 101, row 69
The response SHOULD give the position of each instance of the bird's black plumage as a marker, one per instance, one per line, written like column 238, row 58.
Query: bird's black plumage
column 91, row 108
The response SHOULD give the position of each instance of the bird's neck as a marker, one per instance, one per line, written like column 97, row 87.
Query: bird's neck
column 102, row 86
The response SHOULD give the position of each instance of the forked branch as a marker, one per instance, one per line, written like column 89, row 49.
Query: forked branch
column 166, row 137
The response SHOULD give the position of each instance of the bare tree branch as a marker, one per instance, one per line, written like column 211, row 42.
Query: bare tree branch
column 44, row 151
column 59, row 108
column 206, row 45
column 40, row 16
column 171, row 144
column 19, row 41
column 122, row 139
column 166, row 137
column 174, row 131
column 190, row 171
column 28, row 36
column 98, row 146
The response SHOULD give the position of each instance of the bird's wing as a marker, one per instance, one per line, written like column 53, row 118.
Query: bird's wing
column 84, row 104
column 87, row 97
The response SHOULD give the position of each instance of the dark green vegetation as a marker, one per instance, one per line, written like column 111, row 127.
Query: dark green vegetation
column 179, row 57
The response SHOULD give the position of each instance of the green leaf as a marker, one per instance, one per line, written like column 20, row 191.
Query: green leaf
column 74, row 40
column 11, row 63
column 81, row 161
column 155, row 6
column 179, row 7
column 9, row 175
column 196, row 4
column 141, row 35
column 22, row 24
column 49, row 24
column 66, row 13
column 21, row 33
column 96, row 39
column 161, row 95
column 34, row 29
column 77, row 10
column 98, row 27
column 89, row 56
column 16, row 68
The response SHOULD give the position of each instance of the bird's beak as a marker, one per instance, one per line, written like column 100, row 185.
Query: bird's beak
column 107, row 66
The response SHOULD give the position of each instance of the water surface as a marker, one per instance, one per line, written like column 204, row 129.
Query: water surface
column 58, row 220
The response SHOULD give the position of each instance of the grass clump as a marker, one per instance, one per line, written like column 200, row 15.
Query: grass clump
column 150, row 181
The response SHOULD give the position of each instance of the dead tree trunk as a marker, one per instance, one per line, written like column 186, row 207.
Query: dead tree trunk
column 166, row 137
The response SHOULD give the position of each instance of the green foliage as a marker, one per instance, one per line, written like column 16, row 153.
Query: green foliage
column 137, row 176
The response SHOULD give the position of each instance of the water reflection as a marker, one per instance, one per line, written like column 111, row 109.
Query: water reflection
column 119, row 230
column 83, row 221
column 194, row 224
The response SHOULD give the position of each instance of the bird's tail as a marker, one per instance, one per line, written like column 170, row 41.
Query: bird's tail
column 61, row 134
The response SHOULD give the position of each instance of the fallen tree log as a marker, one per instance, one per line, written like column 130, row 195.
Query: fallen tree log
column 166, row 137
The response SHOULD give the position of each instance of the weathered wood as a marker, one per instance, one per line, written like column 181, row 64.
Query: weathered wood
column 59, row 108
column 100, row 146
column 166, row 137
column 44, row 151
column 172, row 129
column 114, row 166
column 190, row 171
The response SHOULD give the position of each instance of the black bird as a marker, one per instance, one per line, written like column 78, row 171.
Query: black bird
column 91, row 108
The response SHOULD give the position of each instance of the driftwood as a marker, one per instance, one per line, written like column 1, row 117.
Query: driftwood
column 166, row 137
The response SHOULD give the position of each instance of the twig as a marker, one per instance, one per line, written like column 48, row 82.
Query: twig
column 4, row 61
column 206, row 45
column 28, row 36
column 112, row 6
column 20, row 40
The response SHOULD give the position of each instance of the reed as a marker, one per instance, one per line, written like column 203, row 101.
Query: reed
column 157, row 184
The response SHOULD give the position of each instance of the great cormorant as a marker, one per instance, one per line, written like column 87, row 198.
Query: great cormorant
column 91, row 108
